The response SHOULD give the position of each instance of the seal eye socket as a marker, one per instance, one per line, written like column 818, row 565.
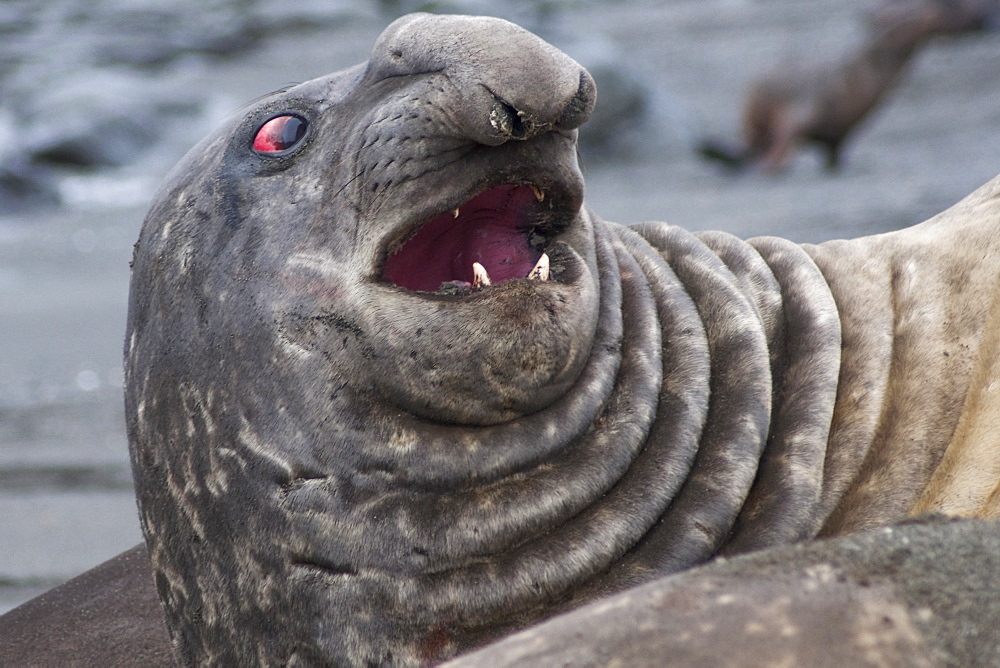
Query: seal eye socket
column 279, row 134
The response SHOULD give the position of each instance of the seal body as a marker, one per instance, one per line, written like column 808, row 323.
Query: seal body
column 393, row 391
column 824, row 103
column 917, row 594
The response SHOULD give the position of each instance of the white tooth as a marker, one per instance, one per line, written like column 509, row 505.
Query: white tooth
column 455, row 212
column 539, row 195
column 541, row 270
column 480, row 279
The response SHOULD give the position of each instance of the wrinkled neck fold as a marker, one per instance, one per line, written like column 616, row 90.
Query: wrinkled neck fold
column 683, row 438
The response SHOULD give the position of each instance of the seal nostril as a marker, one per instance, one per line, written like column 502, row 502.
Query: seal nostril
column 507, row 120
column 579, row 108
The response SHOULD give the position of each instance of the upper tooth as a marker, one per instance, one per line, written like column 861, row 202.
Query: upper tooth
column 456, row 212
column 541, row 270
column 539, row 195
column 480, row 278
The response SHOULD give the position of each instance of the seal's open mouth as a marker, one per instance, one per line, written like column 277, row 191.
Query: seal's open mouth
column 496, row 236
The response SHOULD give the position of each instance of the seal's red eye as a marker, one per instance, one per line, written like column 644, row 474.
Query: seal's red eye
column 279, row 134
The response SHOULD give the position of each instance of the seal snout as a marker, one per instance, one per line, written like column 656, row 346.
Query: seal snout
column 511, row 84
column 503, row 99
column 513, row 123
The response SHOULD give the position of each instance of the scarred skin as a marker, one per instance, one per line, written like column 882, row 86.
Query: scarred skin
column 334, row 469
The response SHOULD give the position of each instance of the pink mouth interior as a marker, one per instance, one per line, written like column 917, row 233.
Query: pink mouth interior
column 490, row 230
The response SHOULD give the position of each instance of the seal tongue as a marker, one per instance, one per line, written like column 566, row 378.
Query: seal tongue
column 489, row 229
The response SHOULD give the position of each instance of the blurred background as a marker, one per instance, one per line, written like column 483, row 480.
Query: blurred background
column 98, row 98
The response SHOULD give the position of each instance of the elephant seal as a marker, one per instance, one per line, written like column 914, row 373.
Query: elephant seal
column 922, row 593
column 824, row 103
column 393, row 391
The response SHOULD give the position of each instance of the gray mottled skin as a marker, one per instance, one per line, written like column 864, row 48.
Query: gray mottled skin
column 333, row 469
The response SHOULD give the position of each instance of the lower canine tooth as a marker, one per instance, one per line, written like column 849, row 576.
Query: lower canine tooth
column 539, row 195
column 480, row 278
column 541, row 270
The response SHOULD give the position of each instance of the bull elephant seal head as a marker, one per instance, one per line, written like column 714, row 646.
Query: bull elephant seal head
column 309, row 348
column 393, row 392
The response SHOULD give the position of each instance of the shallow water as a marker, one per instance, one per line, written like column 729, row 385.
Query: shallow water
column 147, row 81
